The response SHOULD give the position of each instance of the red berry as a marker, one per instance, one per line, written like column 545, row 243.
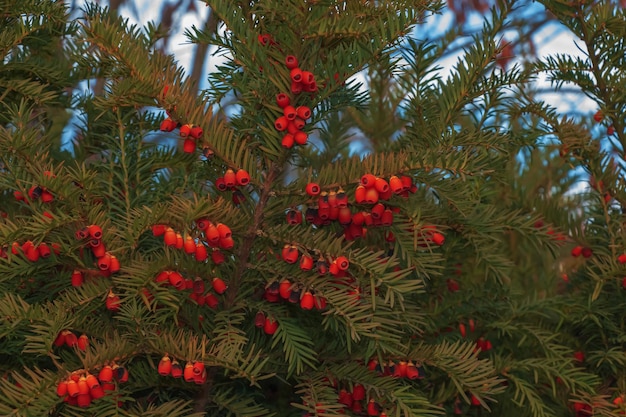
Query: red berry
column 296, row 75
column 281, row 123
column 300, row 137
column 291, row 62
column 282, row 100
column 303, row 112
column 307, row 301
column 219, row 285
column 242, row 177
column 189, row 146
column 287, row 141
column 270, row 326
column 313, row 189
column 622, row 258
column 598, row 116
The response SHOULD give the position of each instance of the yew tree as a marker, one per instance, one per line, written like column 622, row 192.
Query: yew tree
column 333, row 225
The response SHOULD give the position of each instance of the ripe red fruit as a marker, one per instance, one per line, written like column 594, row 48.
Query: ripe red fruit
column 438, row 238
column 112, row 302
column 291, row 62
column 165, row 366
column 83, row 400
column 62, row 389
column 169, row 237
column 219, row 285
column 211, row 300
column 200, row 252
column 282, row 100
column 284, row 289
column 264, row 39
column 196, row 132
column 242, row 177
column 97, row 392
column 475, row 401
column 287, row 141
column 307, row 301
column 167, row 125
column 77, row 278
column 270, row 326
column 358, row 392
column 622, row 258
column 185, row 130
column 289, row 112
column 359, row 195
column 462, row 330
column 308, row 77
column 577, row 251
column 189, row 146
column 281, row 123
column 300, row 137
column 294, row 217
column 371, row 196
column 106, row 374
column 296, row 87
column 387, row 218
column 342, row 262
column 217, row 257
column 158, row 229
column 587, row 252
column 120, row 373
column 296, row 75
column 579, row 356
column 189, row 246
column 290, row 254
column 412, row 372
column 373, row 408
column 104, row 262
column 226, row 243
column 230, row 179
column 313, row 189
column 303, row 112
column 32, row 254
column 82, row 342
column 223, row 230
column 598, row 116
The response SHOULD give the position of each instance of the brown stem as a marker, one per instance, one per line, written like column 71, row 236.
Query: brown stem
column 243, row 254
column 202, row 49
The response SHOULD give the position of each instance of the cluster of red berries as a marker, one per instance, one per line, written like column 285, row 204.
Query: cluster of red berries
column 216, row 236
column 36, row 192
column 294, row 117
column 482, row 344
column 33, row 252
column 585, row 251
column 68, row 338
column 106, row 262
column 189, row 132
column 355, row 401
column 231, row 181
column 197, row 287
column 293, row 293
column 334, row 206
column 194, row 371
column 82, row 387
column 267, row 323
column 401, row 369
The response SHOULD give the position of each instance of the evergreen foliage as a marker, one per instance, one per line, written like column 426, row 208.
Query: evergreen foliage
column 492, row 291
